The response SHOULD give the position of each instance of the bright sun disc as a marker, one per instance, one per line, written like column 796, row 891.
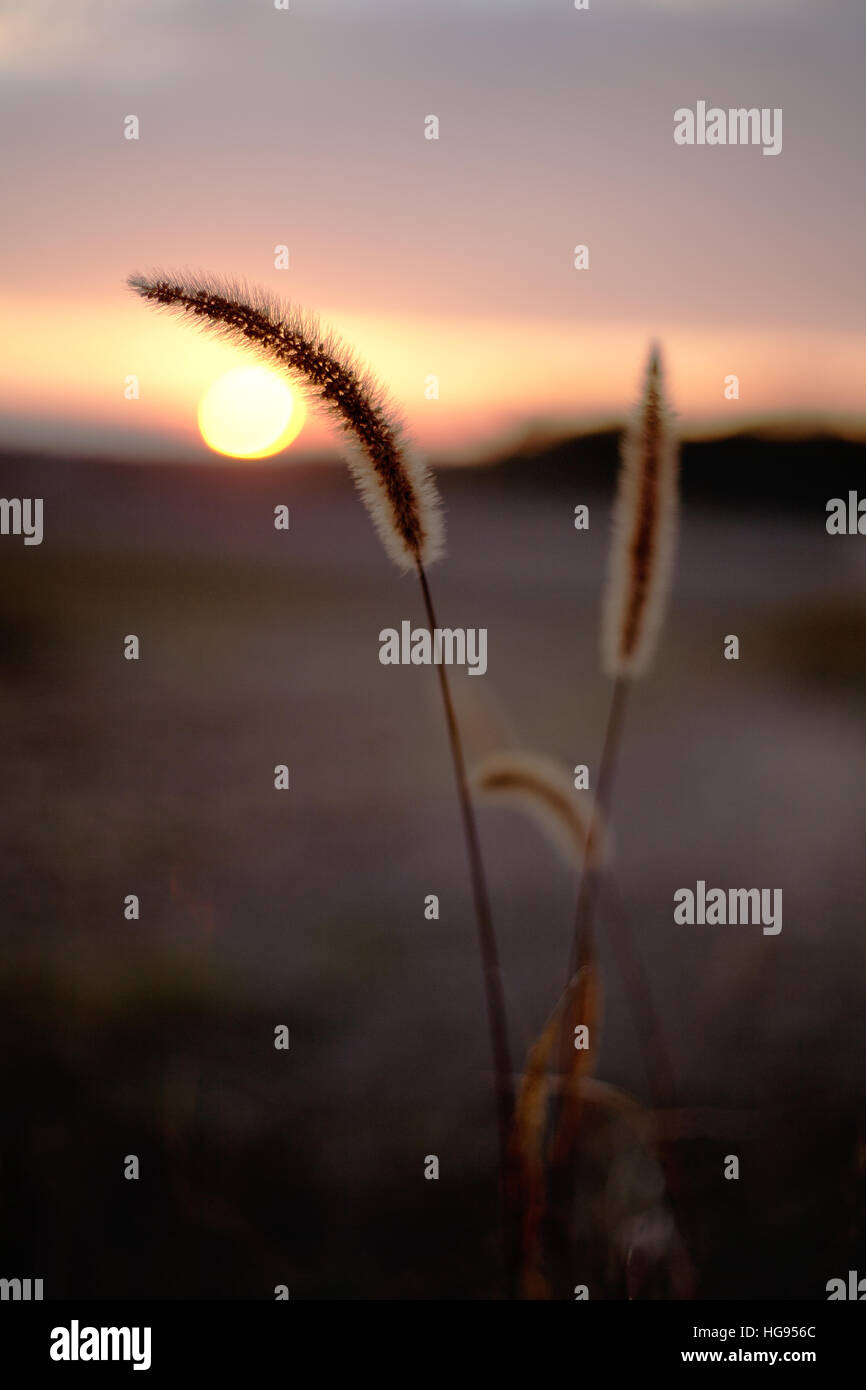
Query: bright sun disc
column 250, row 413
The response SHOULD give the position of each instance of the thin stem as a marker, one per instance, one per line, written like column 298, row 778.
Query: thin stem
column 632, row 973
column 582, row 954
column 590, row 882
column 639, row 996
column 583, row 944
column 659, row 1074
column 495, row 995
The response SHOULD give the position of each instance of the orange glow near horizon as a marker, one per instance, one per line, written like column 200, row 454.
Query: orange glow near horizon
column 64, row 365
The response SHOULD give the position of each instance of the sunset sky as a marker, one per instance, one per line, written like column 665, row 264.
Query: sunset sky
column 451, row 257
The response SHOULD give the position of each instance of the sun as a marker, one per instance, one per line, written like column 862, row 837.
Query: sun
column 250, row 413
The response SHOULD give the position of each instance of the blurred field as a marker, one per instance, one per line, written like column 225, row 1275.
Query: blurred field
column 306, row 907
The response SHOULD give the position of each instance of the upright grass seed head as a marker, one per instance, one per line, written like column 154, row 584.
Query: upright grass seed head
column 395, row 484
column 644, row 533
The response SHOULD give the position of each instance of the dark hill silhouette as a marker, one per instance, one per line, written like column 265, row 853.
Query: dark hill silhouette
column 746, row 472
column 752, row 471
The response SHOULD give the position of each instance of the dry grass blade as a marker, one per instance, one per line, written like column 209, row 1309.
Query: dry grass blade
column 530, row 1120
column 581, row 1008
column 544, row 790
column 544, row 1150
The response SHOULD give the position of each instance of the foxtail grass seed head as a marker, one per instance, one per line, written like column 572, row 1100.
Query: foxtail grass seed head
column 543, row 790
column 395, row 484
column 644, row 533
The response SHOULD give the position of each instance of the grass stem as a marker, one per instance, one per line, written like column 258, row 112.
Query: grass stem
column 493, row 987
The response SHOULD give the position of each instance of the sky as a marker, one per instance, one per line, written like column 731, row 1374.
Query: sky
column 451, row 258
